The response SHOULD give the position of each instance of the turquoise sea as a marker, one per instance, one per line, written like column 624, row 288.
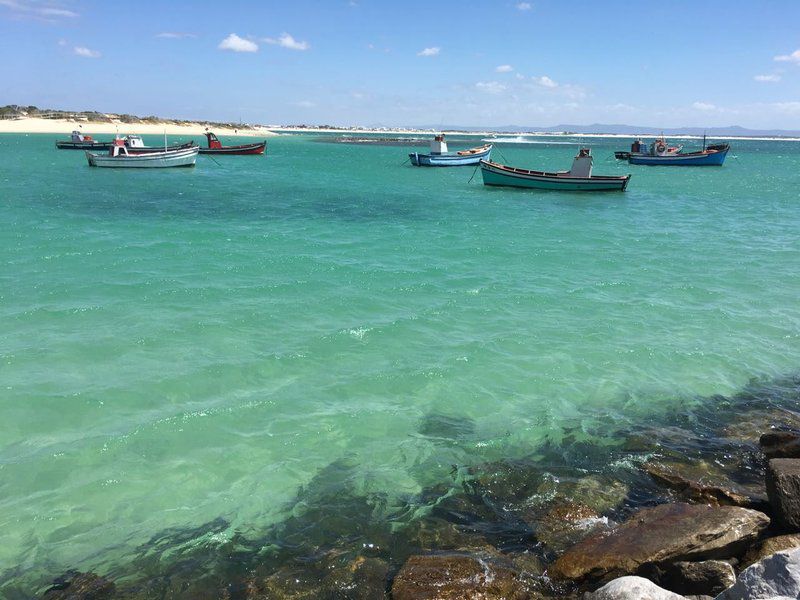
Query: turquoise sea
column 195, row 346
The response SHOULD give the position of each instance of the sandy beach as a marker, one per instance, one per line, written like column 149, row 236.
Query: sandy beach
column 66, row 126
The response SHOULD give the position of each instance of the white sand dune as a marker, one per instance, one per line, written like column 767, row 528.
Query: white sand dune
column 66, row 126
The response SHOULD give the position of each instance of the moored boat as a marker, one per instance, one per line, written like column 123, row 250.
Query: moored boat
column 713, row 155
column 79, row 141
column 120, row 157
column 135, row 145
column 638, row 147
column 578, row 179
column 216, row 147
column 440, row 157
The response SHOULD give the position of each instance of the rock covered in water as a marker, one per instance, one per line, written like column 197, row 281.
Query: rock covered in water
column 708, row 577
column 783, row 489
column 74, row 585
column 632, row 588
column 665, row 533
column 770, row 546
column 565, row 524
column 780, row 444
column 456, row 577
column 776, row 577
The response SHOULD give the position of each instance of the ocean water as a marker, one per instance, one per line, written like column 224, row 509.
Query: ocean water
column 186, row 345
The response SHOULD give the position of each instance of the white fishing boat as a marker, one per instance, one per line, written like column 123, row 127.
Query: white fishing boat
column 440, row 157
column 119, row 157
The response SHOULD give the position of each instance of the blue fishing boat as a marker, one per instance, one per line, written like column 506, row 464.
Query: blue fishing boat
column 578, row 179
column 658, row 153
column 440, row 157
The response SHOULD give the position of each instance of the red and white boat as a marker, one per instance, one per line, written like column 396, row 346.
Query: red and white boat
column 216, row 147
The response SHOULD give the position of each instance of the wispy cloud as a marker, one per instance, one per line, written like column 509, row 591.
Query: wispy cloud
column 287, row 41
column 433, row 51
column 794, row 57
column 35, row 9
column 236, row 44
column 524, row 6
column 175, row 35
column 504, row 69
column 774, row 78
column 86, row 52
column 545, row 81
column 491, row 87
column 706, row 106
column 305, row 104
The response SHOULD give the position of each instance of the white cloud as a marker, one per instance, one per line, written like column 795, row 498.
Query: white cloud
column 33, row 9
column 306, row 104
column 787, row 107
column 86, row 52
column 768, row 78
column 429, row 51
column 287, row 41
column 524, row 6
column 504, row 69
column 491, row 87
column 545, row 81
column 173, row 35
column 703, row 106
column 236, row 44
column 794, row 57
column 519, row 76
column 57, row 12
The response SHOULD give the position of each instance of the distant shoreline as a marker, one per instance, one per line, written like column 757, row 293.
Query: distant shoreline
column 66, row 126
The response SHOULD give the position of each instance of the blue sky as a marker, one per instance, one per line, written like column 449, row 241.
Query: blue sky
column 381, row 62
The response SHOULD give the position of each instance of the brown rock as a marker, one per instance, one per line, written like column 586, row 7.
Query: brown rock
column 696, row 483
column 708, row 577
column 770, row 546
column 783, row 489
column 565, row 524
column 666, row 533
column 80, row 586
column 456, row 577
column 780, row 444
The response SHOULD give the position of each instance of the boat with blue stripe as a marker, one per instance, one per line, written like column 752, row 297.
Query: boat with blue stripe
column 440, row 157
column 661, row 155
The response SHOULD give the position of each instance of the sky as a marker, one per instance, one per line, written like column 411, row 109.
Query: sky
column 389, row 63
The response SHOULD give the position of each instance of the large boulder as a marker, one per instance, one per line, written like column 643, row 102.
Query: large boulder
column 780, row 444
column 456, row 577
column 783, row 489
column 665, row 533
column 632, row 588
column 777, row 577
column 768, row 547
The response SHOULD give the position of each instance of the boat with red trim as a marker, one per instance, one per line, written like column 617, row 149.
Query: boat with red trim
column 578, row 179
column 80, row 141
column 216, row 147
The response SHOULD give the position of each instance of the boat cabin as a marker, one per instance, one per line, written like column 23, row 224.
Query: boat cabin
column 213, row 141
column 119, row 148
column 582, row 164
column 438, row 145
column 133, row 141
column 77, row 136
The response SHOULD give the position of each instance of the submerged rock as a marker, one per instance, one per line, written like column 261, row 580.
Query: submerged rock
column 670, row 532
column 632, row 588
column 783, row 489
column 565, row 524
column 776, row 577
column 456, row 577
column 74, row 585
column 770, row 546
column 695, row 482
column 780, row 444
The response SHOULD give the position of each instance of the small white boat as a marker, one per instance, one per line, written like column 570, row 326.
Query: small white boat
column 440, row 157
column 119, row 157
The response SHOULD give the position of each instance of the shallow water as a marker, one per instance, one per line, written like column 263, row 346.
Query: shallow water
column 183, row 346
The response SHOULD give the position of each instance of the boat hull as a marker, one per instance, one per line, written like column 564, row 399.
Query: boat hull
column 66, row 145
column 451, row 159
column 691, row 159
column 155, row 160
column 245, row 149
column 501, row 175
column 152, row 149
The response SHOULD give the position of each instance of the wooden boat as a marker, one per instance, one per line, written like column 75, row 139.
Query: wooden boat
column 79, row 141
column 440, row 157
column 120, row 157
column 135, row 145
column 216, row 147
column 637, row 147
column 713, row 155
column 578, row 179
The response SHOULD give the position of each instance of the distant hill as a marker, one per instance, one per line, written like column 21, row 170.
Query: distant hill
column 731, row 130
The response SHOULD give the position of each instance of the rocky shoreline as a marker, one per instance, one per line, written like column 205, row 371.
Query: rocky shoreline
column 705, row 507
